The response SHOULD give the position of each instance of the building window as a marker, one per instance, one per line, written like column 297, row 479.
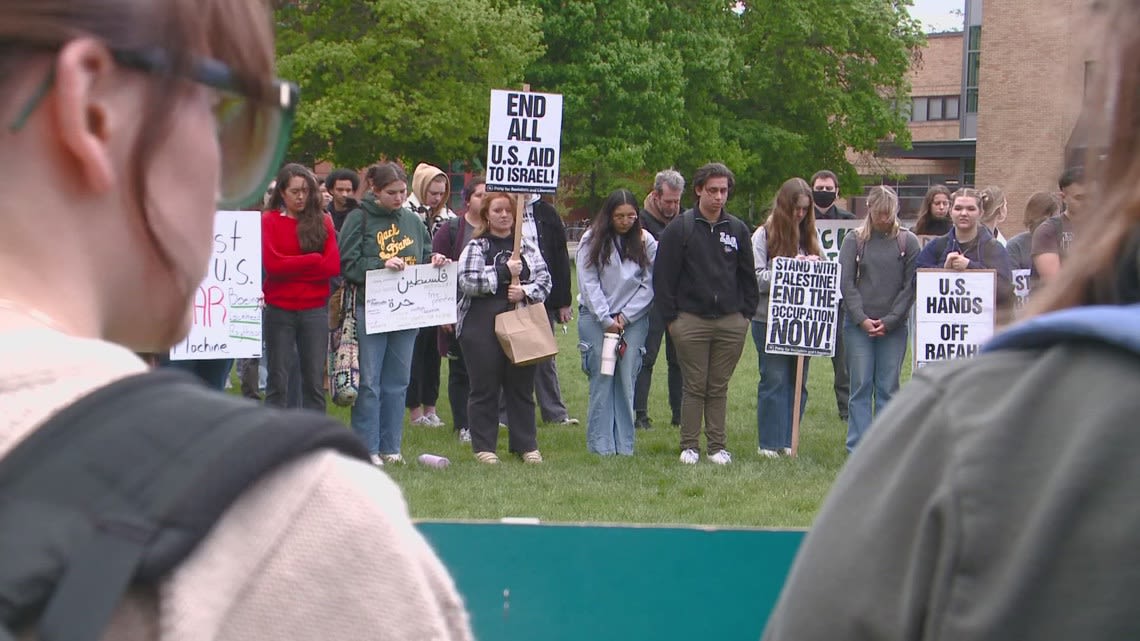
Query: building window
column 927, row 108
column 973, row 66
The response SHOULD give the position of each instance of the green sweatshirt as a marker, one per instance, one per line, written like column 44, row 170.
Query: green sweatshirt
column 371, row 235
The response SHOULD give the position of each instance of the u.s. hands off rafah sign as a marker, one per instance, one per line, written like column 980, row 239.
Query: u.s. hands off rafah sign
column 803, row 307
column 523, row 142
column 954, row 313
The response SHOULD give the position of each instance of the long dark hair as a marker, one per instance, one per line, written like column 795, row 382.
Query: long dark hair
column 785, row 237
column 603, row 234
column 922, row 226
column 311, row 231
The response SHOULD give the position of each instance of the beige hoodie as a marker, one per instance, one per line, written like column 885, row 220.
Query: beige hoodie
column 422, row 177
column 322, row 548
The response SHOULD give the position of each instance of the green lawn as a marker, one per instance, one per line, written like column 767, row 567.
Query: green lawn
column 652, row 487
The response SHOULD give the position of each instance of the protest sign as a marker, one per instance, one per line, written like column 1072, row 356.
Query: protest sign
column 523, row 142
column 227, row 305
column 803, row 307
column 831, row 233
column 954, row 313
column 1021, row 287
column 419, row 296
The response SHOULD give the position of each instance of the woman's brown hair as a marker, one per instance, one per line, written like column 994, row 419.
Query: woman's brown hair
column 926, row 213
column 785, row 237
column 1102, row 266
column 311, row 231
column 235, row 32
column 1041, row 207
column 383, row 174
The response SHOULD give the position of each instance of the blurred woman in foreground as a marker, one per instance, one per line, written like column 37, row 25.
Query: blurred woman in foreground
column 151, row 115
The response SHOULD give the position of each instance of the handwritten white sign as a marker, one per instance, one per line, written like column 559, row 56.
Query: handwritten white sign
column 831, row 233
column 419, row 296
column 954, row 313
column 227, row 306
column 803, row 307
column 523, row 142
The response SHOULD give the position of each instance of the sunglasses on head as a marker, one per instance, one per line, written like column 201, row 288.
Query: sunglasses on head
column 254, row 118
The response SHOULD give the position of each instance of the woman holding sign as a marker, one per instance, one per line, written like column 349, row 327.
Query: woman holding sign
column 383, row 234
column 878, row 263
column 789, row 231
column 486, row 273
column 299, row 255
column 615, row 278
column 969, row 245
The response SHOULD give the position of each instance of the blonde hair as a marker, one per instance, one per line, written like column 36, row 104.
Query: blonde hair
column 992, row 203
column 882, row 198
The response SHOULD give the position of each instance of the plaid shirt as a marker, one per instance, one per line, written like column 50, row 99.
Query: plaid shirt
column 477, row 278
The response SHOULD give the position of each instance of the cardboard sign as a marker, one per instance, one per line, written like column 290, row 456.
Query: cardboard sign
column 419, row 296
column 831, row 234
column 1021, row 287
column 227, row 305
column 803, row 307
column 954, row 313
column 523, row 142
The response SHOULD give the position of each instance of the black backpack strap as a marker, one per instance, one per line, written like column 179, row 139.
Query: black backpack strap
column 455, row 239
column 121, row 486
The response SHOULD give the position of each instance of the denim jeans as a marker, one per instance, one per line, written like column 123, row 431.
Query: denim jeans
column 775, row 393
column 385, row 368
column 609, row 421
column 296, row 341
column 875, row 365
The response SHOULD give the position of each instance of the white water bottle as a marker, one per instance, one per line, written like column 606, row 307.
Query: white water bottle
column 431, row 460
column 609, row 353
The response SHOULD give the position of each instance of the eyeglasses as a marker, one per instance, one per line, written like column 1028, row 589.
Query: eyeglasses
column 254, row 118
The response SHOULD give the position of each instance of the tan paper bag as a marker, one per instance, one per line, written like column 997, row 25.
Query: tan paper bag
column 524, row 333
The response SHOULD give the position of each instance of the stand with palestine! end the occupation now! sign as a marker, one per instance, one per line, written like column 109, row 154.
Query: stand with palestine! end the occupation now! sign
column 523, row 142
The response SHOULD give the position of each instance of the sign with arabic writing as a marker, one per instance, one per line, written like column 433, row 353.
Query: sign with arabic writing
column 419, row 296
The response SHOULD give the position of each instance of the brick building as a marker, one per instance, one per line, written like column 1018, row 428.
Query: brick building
column 998, row 103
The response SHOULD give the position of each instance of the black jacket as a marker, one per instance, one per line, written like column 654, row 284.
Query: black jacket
column 552, row 245
column 706, row 269
column 650, row 224
column 834, row 212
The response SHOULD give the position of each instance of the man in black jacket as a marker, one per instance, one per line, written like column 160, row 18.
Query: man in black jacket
column 704, row 283
column 662, row 206
column 824, row 192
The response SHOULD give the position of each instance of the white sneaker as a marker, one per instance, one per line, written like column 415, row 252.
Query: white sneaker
column 768, row 453
column 464, row 435
column 787, row 451
column 390, row 459
column 433, row 420
column 721, row 458
column 423, row 420
column 376, row 460
column 690, row 457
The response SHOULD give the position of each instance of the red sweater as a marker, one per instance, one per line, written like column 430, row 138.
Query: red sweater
column 294, row 280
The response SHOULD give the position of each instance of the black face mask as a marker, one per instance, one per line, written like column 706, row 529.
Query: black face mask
column 823, row 199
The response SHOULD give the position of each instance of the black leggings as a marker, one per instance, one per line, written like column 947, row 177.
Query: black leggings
column 423, row 387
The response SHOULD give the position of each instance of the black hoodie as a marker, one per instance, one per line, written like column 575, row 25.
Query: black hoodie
column 705, row 268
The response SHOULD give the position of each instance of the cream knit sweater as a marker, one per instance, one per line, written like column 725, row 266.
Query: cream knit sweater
column 321, row 549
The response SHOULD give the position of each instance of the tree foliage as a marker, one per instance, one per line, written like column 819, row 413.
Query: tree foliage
column 772, row 88
column 399, row 79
